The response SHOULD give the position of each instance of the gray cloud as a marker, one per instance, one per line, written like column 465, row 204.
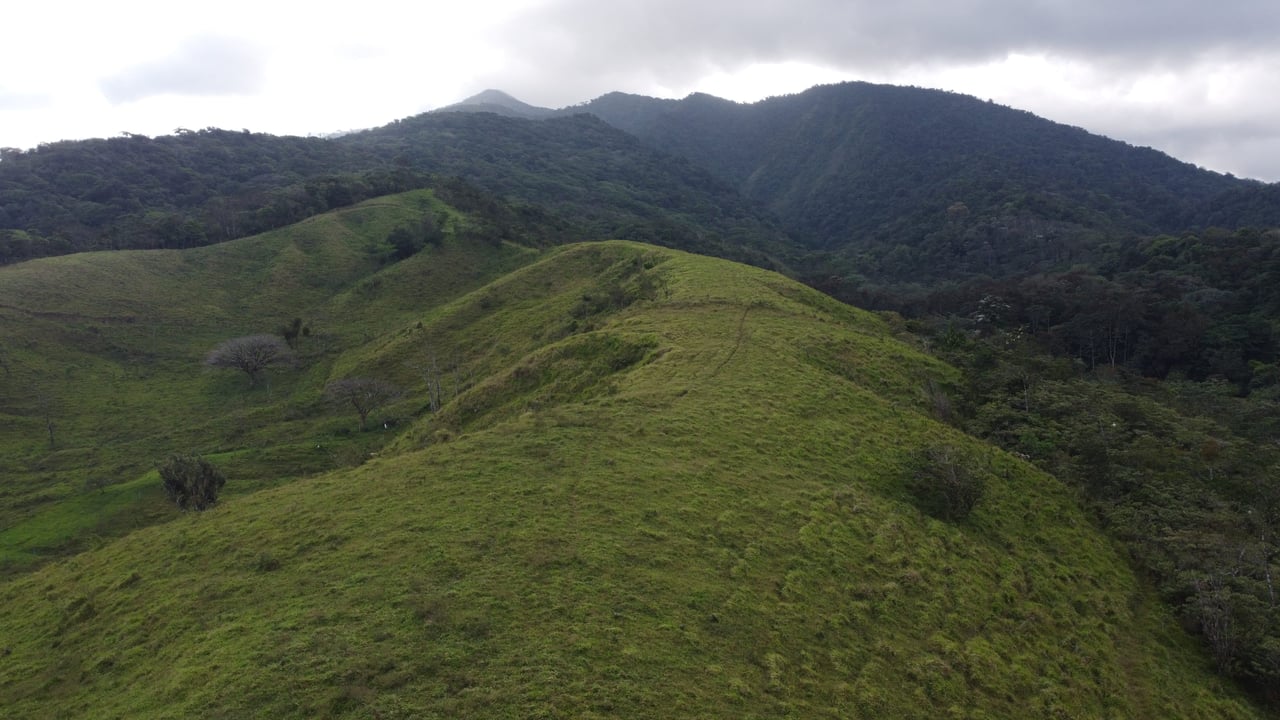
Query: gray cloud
column 1247, row 148
column 203, row 66
column 676, row 41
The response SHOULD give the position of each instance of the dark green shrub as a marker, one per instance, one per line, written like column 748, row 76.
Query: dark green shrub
column 944, row 482
column 191, row 482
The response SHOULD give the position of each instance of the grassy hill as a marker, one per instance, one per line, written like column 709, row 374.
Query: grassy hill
column 659, row 485
column 108, row 347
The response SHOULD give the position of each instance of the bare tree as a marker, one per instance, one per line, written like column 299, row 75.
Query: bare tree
column 250, row 354
column 433, row 372
column 363, row 394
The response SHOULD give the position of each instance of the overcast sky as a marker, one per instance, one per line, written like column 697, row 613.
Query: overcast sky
column 1199, row 80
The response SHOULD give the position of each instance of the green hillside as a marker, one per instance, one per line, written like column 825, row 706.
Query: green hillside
column 658, row 485
column 108, row 347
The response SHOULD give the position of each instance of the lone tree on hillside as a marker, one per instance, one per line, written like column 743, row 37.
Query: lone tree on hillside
column 945, row 482
column 191, row 482
column 250, row 354
column 293, row 332
column 364, row 394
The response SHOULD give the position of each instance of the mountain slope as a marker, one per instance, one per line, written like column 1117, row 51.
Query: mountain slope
column 581, row 168
column 672, row 487
column 199, row 188
column 869, row 167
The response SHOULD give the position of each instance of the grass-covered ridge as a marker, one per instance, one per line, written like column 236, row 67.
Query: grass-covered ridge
column 108, row 348
column 665, row 486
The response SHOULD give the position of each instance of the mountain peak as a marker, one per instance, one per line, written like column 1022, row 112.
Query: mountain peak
column 497, row 101
column 493, row 96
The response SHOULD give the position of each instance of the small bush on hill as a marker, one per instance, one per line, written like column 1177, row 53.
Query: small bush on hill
column 407, row 240
column 945, row 483
column 191, row 482
column 293, row 332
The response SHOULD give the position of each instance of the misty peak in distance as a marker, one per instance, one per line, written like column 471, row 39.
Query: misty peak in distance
column 496, row 101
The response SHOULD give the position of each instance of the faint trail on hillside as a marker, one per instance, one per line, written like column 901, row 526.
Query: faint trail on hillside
column 742, row 333
column 49, row 315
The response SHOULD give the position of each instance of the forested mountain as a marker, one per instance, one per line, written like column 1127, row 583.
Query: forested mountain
column 881, row 147
column 197, row 188
column 891, row 183
column 605, row 180
column 186, row 189
column 911, row 183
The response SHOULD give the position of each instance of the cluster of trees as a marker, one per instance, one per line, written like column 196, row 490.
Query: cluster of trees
column 187, row 189
column 1181, row 472
column 1199, row 305
column 1143, row 369
column 254, row 354
column 191, row 481
column 579, row 167
column 61, row 230
column 407, row 240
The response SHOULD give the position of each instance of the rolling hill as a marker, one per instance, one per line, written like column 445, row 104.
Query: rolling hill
column 659, row 485
column 107, row 347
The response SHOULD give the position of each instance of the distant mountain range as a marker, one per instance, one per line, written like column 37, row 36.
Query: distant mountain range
column 858, row 167
column 866, row 174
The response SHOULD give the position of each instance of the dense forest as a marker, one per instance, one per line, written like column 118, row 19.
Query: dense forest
column 198, row 188
column 183, row 190
column 1115, row 311
column 857, row 167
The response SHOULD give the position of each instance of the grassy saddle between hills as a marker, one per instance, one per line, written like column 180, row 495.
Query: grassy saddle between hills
column 656, row 485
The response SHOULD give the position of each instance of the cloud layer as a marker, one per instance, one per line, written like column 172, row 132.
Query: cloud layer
column 202, row 66
column 677, row 40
